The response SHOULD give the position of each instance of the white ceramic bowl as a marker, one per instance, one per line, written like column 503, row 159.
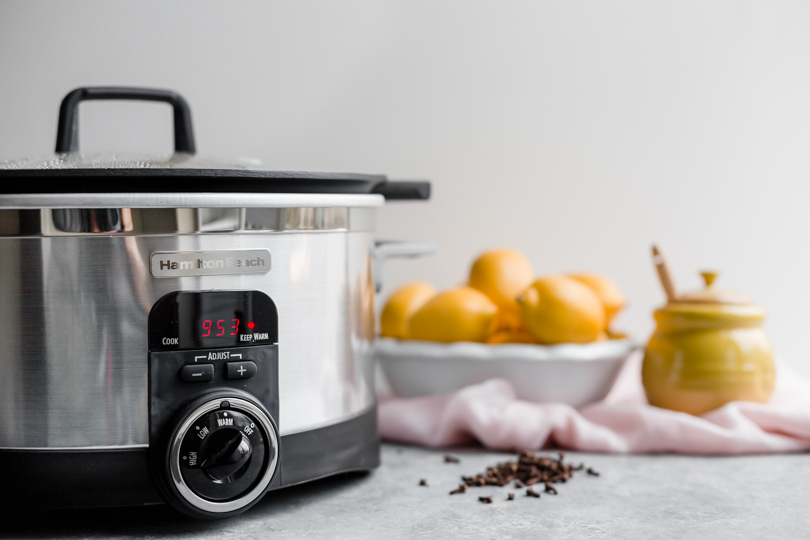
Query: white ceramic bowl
column 569, row 373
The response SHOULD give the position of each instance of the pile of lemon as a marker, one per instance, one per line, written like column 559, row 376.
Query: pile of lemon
column 504, row 303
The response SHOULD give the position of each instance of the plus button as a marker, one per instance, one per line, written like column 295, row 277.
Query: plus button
column 240, row 370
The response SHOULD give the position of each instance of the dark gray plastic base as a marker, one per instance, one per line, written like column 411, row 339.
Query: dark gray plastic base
column 352, row 445
column 96, row 478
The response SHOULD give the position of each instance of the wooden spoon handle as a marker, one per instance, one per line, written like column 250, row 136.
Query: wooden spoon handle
column 664, row 275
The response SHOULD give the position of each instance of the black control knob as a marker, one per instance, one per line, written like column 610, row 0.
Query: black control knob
column 225, row 454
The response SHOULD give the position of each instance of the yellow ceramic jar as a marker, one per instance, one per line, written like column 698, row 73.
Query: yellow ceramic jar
column 708, row 349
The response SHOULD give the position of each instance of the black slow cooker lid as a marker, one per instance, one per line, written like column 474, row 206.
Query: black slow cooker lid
column 71, row 172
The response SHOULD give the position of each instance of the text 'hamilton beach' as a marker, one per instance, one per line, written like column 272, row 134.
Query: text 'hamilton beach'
column 185, row 263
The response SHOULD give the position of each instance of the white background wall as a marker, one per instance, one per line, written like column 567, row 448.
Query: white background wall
column 578, row 132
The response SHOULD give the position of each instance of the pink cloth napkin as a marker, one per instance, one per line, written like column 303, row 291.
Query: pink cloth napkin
column 623, row 423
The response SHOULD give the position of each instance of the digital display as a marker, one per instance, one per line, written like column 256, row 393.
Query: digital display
column 201, row 320
column 220, row 328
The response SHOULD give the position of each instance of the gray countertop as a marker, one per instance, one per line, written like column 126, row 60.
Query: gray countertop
column 635, row 497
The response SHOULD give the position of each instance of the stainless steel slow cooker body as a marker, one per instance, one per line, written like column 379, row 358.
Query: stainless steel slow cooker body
column 83, row 390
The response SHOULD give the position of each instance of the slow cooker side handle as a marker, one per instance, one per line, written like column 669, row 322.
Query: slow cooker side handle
column 67, row 134
column 389, row 250
column 403, row 190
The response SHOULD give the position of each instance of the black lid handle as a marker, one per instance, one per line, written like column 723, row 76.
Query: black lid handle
column 67, row 135
column 403, row 190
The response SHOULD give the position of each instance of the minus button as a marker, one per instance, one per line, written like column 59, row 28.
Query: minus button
column 197, row 373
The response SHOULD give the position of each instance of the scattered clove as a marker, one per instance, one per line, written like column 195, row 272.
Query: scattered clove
column 510, row 497
column 451, row 459
column 423, row 482
column 462, row 488
column 487, row 500
column 529, row 469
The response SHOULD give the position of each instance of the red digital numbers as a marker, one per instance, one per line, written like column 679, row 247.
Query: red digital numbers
column 208, row 324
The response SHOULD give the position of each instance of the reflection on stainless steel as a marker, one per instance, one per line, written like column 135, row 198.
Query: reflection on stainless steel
column 98, row 220
column 189, row 200
column 134, row 221
column 73, row 351
column 220, row 219
column 11, row 373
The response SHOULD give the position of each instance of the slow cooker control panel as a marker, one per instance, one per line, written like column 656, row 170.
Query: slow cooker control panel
column 213, row 399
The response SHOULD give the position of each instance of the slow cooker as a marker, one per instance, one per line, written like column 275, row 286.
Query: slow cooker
column 177, row 330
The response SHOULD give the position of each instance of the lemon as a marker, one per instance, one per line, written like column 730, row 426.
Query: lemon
column 401, row 305
column 462, row 314
column 607, row 291
column 559, row 309
column 518, row 335
column 502, row 275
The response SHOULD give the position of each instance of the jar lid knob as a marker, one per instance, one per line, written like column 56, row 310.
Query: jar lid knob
column 709, row 276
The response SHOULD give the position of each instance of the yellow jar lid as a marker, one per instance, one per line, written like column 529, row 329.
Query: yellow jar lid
column 697, row 310
column 712, row 295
